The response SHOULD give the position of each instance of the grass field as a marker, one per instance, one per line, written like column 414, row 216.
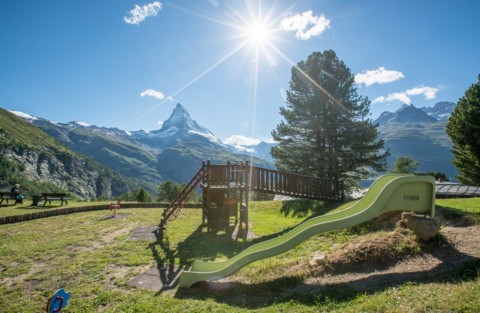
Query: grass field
column 90, row 255
column 19, row 209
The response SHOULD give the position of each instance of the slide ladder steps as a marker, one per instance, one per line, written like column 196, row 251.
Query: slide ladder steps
column 177, row 204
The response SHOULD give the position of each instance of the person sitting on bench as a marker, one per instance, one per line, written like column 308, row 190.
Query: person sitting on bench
column 16, row 193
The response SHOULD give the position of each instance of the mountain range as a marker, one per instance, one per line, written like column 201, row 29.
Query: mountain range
column 40, row 163
column 420, row 134
column 173, row 152
column 111, row 161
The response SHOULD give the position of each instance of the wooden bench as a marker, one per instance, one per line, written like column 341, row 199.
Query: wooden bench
column 54, row 196
column 7, row 195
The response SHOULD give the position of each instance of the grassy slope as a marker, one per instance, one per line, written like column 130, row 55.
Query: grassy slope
column 92, row 257
column 19, row 133
column 16, row 133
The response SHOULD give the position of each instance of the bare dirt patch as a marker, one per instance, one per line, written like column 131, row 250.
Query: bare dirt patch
column 109, row 237
column 367, row 253
column 23, row 279
column 115, row 275
column 456, row 246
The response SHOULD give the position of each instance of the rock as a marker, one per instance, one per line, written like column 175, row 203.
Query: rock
column 317, row 259
column 425, row 228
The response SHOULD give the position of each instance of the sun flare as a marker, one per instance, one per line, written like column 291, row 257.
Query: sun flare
column 258, row 33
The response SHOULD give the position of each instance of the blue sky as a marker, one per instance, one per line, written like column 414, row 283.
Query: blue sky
column 126, row 64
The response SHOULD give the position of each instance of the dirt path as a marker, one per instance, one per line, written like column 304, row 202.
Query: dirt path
column 462, row 245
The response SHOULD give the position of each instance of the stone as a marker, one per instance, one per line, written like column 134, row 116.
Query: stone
column 425, row 228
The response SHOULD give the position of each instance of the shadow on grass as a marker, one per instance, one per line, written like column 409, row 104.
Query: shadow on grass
column 457, row 217
column 165, row 256
column 455, row 268
column 302, row 207
column 208, row 246
column 201, row 244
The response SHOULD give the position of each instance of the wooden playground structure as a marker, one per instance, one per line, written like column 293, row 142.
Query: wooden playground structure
column 226, row 189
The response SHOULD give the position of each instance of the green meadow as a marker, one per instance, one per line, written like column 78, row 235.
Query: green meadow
column 91, row 256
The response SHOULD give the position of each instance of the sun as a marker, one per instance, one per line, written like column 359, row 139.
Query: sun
column 258, row 32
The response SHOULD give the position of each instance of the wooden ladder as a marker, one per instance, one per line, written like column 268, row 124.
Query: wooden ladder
column 174, row 208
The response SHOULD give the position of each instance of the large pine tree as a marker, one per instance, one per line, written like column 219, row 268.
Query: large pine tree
column 464, row 129
column 326, row 130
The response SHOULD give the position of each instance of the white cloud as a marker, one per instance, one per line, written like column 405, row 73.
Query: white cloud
column 378, row 76
column 428, row 92
column 241, row 140
column 399, row 96
column 405, row 97
column 170, row 98
column 380, row 99
column 139, row 13
column 152, row 93
column 305, row 24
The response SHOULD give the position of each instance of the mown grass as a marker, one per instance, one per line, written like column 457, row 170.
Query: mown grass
column 91, row 256
column 26, row 207
column 458, row 207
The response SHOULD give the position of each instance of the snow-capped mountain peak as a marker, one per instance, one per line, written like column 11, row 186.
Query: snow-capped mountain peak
column 180, row 124
column 180, row 119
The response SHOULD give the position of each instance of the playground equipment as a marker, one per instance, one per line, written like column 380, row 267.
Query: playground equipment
column 226, row 188
column 388, row 193
column 115, row 207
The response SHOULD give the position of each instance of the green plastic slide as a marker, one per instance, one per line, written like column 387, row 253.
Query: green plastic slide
column 388, row 193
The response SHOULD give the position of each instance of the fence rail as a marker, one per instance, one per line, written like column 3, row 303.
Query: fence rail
column 273, row 181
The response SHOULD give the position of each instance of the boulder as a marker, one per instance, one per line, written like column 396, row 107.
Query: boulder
column 424, row 227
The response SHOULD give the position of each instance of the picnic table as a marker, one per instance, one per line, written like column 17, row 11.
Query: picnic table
column 49, row 197
column 8, row 195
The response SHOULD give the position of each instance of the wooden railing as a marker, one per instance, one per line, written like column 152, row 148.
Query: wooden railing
column 295, row 185
column 252, row 178
column 272, row 181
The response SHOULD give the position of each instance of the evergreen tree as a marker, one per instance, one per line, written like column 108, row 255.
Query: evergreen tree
column 143, row 196
column 464, row 129
column 168, row 190
column 327, row 131
column 404, row 165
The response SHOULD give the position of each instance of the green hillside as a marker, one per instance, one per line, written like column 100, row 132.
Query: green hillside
column 16, row 132
column 428, row 143
column 38, row 162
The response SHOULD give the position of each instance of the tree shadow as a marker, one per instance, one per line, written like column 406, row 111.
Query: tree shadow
column 165, row 256
column 455, row 267
column 172, row 260
column 199, row 245
column 455, row 217
column 304, row 207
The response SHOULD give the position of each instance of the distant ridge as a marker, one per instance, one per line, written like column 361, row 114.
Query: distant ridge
column 418, row 133
column 406, row 114
column 32, row 157
column 441, row 110
column 173, row 152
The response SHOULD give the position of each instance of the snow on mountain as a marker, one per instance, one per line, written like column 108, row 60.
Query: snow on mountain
column 23, row 115
column 179, row 125
column 260, row 150
column 83, row 124
column 441, row 110
column 406, row 114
